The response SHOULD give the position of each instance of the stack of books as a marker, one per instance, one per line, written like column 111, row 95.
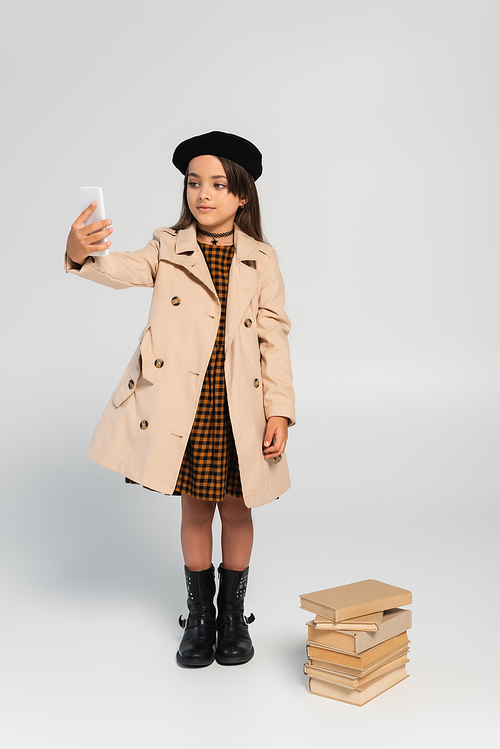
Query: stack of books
column 357, row 645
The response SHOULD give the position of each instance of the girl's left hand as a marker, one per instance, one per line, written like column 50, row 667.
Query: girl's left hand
column 275, row 437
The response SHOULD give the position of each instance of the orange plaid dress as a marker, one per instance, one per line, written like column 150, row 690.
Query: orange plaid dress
column 210, row 468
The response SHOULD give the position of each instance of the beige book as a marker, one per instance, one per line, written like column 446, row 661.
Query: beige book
column 394, row 622
column 359, row 672
column 367, row 623
column 357, row 696
column 353, row 682
column 325, row 653
column 355, row 599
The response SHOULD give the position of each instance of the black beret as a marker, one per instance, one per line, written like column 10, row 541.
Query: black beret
column 216, row 143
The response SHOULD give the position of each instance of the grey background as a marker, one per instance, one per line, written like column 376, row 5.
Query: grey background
column 379, row 122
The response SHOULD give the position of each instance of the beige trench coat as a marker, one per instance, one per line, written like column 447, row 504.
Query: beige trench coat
column 145, row 427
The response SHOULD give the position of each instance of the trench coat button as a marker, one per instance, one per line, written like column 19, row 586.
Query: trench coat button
column 175, row 301
column 144, row 424
column 247, row 323
column 159, row 363
column 256, row 383
column 131, row 384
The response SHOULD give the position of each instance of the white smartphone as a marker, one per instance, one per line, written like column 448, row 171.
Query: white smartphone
column 87, row 195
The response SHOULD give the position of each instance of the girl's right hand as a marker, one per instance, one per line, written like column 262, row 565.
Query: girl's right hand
column 82, row 240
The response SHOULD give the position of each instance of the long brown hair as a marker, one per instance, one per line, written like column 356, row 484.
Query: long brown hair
column 239, row 183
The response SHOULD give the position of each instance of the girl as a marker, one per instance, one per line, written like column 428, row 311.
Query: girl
column 204, row 406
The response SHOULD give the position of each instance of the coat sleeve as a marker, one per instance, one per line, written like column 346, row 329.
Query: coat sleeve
column 120, row 270
column 273, row 327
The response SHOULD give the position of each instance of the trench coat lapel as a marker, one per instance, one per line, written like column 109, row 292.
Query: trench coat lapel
column 189, row 255
column 243, row 282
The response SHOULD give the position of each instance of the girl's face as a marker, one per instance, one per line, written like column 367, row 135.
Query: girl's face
column 209, row 200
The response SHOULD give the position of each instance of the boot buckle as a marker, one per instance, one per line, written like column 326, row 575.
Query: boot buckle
column 248, row 619
column 182, row 622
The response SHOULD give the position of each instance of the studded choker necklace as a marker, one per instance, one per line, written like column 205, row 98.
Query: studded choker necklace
column 214, row 236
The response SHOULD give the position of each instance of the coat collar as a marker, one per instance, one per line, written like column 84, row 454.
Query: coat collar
column 246, row 248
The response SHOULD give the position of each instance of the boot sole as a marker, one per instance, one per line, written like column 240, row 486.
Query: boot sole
column 234, row 660
column 192, row 662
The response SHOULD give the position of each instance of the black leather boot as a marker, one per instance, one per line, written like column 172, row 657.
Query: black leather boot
column 200, row 629
column 234, row 644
